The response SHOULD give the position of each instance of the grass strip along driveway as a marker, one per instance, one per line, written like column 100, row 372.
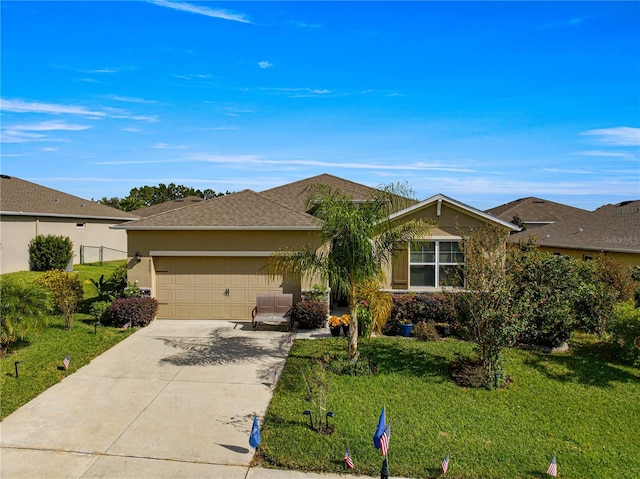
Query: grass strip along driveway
column 575, row 405
column 40, row 353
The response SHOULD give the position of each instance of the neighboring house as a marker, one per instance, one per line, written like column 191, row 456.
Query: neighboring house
column 167, row 206
column 534, row 212
column 207, row 260
column 28, row 209
column 613, row 230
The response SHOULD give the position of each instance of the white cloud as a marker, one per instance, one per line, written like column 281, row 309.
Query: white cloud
column 572, row 171
column 612, row 154
column 128, row 99
column 20, row 106
column 166, row 146
column 206, row 11
column 52, row 125
column 301, row 92
column 17, row 136
column 618, row 136
column 265, row 64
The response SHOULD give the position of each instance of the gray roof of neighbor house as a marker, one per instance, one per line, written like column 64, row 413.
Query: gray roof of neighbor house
column 23, row 198
column 167, row 206
column 295, row 195
column 243, row 210
column 609, row 228
column 534, row 210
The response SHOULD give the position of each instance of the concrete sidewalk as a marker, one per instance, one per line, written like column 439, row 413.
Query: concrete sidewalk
column 174, row 400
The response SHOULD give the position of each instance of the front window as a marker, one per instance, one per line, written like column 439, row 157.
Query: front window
column 435, row 264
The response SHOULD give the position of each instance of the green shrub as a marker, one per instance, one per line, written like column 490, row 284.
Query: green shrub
column 545, row 288
column 425, row 331
column 66, row 291
column 317, row 293
column 605, row 282
column 625, row 330
column 310, row 314
column 50, row 252
column 365, row 319
column 99, row 309
column 132, row 311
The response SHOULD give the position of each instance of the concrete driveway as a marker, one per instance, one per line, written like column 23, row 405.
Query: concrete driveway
column 175, row 399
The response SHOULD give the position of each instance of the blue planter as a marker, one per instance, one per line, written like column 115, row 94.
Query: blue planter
column 405, row 329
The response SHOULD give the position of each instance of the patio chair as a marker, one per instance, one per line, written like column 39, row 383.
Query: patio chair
column 272, row 308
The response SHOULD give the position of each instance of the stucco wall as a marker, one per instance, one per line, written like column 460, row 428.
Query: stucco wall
column 206, row 242
column 452, row 223
column 628, row 259
column 16, row 232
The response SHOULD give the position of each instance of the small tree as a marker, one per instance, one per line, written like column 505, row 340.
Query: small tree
column 50, row 252
column 24, row 306
column 66, row 291
column 488, row 308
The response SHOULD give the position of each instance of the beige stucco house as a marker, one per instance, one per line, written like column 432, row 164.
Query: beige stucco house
column 612, row 230
column 205, row 260
column 28, row 210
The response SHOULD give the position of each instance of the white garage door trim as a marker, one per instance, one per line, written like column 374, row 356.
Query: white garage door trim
column 258, row 254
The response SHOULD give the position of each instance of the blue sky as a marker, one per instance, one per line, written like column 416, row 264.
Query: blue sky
column 485, row 102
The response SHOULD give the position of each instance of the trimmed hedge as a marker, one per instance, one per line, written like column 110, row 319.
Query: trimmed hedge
column 50, row 252
column 310, row 314
column 132, row 311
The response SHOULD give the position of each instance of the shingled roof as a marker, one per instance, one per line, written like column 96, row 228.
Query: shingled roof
column 23, row 198
column 294, row 195
column 532, row 210
column 167, row 206
column 609, row 228
column 243, row 210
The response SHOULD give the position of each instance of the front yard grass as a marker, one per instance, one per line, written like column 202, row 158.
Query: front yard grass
column 577, row 405
column 41, row 352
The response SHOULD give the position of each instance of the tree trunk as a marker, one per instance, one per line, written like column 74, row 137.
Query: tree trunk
column 353, row 326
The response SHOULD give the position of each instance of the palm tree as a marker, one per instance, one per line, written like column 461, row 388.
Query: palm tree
column 24, row 306
column 358, row 240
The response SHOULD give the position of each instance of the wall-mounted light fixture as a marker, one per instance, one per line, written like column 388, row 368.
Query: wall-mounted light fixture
column 138, row 256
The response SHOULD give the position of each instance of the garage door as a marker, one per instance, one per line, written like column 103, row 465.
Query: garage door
column 212, row 288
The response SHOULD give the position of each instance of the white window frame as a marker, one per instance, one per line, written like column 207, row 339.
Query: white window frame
column 436, row 264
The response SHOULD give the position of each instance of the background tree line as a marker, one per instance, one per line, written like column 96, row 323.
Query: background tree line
column 154, row 195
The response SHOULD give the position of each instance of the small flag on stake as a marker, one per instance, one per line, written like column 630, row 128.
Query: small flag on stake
column 384, row 440
column 552, row 470
column 254, row 438
column 445, row 464
column 275, row 377
column 348, row 460
column 66, row 360
column 382, row 424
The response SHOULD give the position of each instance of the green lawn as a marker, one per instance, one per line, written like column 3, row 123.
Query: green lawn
column 41, row 352
column 577, row 405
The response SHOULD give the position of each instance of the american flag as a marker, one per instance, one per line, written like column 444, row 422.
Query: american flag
column 552, row 470
column 66, row 360
column 384, row 440
column 445, row 464
column 348, row 460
